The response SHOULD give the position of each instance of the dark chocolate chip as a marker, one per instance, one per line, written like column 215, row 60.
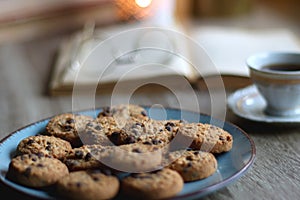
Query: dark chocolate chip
column 114, row 137
column 40, row 165
column 138, row 124
column 78, row 184
column 67, row 128
column 106, row 112
column 70, row 121
column 136, row 150
column 98, row 128
column 27, row 172
column 228, row 138
column 48, row 148
column 79, row 154
column 168, row 128
column 69, row 163
column 30, row 141
column 190, row 158
column 170, row 124
column 156, row 142
column 88, row 156
column 221, row 138
column 147, row 143
column 144, row 113
column 130, row 140
column 40, row 154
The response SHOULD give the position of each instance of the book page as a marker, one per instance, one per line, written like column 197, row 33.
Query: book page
column 228, row 48
column 114, row 42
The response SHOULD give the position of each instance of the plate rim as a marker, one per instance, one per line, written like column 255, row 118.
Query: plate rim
column 201, row 192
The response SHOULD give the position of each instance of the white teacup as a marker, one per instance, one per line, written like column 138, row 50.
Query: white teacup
column 277, row 77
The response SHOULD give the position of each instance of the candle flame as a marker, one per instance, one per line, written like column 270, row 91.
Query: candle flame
column 143, row 3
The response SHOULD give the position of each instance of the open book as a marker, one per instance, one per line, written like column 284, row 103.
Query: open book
column 126, row 53
column 88, row 59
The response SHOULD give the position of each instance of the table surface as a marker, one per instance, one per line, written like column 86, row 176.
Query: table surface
column 25, row 69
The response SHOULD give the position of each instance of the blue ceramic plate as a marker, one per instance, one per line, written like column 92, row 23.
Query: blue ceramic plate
column 231, row 165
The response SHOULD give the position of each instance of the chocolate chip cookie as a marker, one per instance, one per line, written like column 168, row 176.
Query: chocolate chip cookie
column 164, row 183
column 95, row 133
column 193, row 165
column 67, row 126
column 48, row 146
column 206, row 137
column 89, row 185
column 133, row 157
column 36, row 171
column 84, row 158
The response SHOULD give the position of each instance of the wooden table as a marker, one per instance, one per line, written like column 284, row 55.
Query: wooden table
column 25, row 69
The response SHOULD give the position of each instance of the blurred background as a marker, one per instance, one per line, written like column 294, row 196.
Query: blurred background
column 25, row 20
column 229, row 30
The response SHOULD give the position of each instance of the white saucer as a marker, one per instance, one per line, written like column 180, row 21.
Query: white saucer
column 249, row 104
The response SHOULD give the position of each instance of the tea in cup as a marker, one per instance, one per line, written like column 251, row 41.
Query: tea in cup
column 277, row 78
